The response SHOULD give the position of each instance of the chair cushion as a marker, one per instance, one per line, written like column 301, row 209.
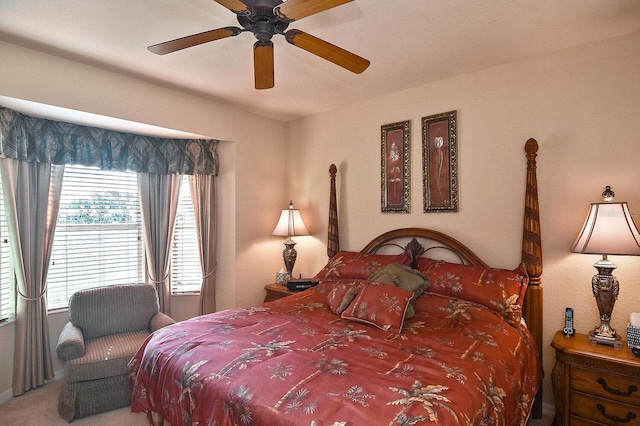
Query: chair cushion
column 105, row 356
column 101, row 311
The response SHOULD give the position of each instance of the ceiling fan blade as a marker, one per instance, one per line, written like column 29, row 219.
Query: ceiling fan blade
column 293, row 10
column 193, row 40
column 263, row 64
column 236, row 6
column 328, row 51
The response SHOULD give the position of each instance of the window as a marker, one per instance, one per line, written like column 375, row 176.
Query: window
column 6, row 296
column 98, row 239
column 186, row 274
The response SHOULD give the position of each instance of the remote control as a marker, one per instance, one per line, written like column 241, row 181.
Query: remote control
column 568, row 323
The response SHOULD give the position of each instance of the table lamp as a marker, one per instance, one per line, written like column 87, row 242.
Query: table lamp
column 608, row 230
column 290, row 224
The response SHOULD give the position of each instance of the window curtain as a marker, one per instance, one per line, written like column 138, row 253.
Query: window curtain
column 203, row 194
column 38, row 140
column 31, row 197
column 45, row 143
column 159, row 204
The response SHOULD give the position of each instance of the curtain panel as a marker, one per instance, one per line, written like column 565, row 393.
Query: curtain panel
column 38, row 140
column 203, row 194
column 32, row 197
column 159, row 204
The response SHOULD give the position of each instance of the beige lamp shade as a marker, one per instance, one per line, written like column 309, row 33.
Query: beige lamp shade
column 290, row 223
column 608, row 229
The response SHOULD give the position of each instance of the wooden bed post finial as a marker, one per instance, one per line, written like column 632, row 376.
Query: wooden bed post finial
column 333, row 243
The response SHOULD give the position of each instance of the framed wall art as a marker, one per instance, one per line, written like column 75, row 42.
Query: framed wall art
column 395, row 167
column 440, row 162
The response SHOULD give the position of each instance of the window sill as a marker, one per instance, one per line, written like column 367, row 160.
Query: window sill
column 7, row 322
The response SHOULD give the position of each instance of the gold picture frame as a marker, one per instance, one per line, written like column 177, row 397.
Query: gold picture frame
column 440, row 162
column 395, row 170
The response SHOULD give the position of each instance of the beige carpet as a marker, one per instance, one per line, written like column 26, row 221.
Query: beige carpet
column 40, row 408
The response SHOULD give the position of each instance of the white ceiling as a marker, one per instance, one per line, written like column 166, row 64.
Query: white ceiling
column 409, row 43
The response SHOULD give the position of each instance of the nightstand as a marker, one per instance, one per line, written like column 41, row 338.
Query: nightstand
column 276, row 291
column 594, row 384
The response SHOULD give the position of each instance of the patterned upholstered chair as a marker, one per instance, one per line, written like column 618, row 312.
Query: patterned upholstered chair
column 106, row 327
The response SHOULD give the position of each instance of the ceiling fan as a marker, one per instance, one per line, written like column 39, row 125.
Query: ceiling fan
column 266, row 18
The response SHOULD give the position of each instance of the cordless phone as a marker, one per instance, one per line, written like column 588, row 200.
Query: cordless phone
column 568, row 323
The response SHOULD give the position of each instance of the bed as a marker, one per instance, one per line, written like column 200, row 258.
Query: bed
column 413, row 329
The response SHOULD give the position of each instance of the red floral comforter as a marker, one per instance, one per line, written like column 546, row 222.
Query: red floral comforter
column 295, row 362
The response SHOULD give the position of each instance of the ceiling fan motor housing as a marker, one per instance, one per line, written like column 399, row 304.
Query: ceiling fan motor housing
column 263, row 27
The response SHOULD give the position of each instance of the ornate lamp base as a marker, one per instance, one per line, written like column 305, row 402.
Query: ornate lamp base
column 604, row 340
column 289, row 255
column 605, row 289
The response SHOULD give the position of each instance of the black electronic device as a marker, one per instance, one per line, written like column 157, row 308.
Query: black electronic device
column 568, row 330
column 301, row 284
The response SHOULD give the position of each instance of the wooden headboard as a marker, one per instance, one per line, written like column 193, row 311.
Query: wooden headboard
column 531, row 255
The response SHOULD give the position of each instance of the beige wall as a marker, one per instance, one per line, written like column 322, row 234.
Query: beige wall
column 580, row 104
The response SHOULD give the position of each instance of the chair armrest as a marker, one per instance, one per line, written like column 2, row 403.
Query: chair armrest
column 70, row 343
column 160, row 320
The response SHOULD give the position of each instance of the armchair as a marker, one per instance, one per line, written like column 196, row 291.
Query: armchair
column 106, row 327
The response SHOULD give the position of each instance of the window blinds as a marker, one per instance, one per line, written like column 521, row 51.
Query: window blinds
column 185, row 258
column 98, row 239
column 6, row 299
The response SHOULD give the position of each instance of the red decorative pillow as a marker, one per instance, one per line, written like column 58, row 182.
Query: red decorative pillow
column 500, row 290
column 341, row 296
column 356, row 265
column 404, row 277
column 381, row 305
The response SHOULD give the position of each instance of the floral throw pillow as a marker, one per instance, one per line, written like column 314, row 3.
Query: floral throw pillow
column 341, row 296
column 404, row 277
column 381, row 305
column 500, row 290
column 356, row 265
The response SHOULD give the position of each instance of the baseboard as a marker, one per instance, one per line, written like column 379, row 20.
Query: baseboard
column 7, row 395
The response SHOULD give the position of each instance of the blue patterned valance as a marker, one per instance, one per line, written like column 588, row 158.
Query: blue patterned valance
column 33, row 139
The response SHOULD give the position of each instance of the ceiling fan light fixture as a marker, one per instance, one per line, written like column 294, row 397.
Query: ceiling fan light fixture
column 263, row 30
column 265, row 18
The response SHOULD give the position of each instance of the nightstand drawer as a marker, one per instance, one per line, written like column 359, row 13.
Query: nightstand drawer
column 578, row 421
column 603, row 411
column 617, row 388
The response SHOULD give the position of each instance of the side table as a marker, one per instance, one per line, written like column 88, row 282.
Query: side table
column 276, row 291
column 594, row 384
